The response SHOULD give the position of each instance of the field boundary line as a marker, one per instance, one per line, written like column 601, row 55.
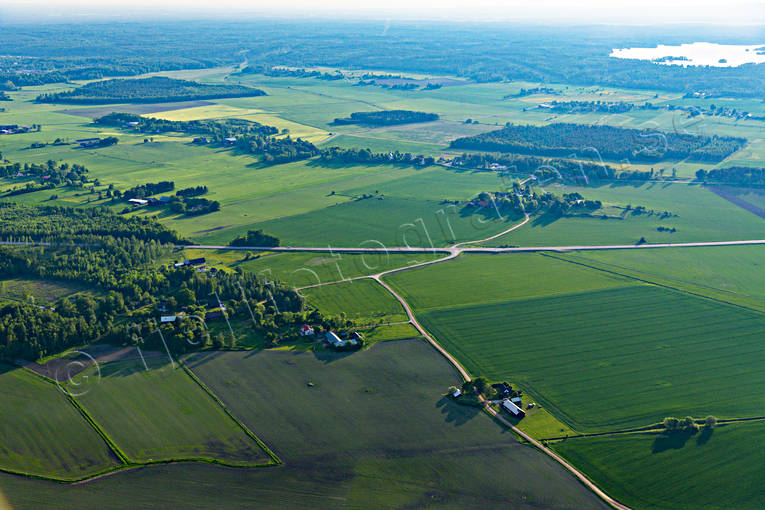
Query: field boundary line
column 275, row 460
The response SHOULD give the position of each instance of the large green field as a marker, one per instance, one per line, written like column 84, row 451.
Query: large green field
column 720, row 470
column 43, row 434
column 162, row 414
column 596, row 349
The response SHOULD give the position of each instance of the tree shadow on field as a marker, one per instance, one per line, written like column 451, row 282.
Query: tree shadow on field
column 704, row 436
column 455, row 413
column 674, row 441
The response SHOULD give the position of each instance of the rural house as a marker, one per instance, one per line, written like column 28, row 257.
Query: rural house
column 306, row 330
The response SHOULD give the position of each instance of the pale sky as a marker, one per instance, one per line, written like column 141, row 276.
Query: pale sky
column 574, row 11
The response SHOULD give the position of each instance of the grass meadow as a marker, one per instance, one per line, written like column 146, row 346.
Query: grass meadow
column 43, row 434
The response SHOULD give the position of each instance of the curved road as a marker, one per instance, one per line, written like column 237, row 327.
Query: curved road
column 454, row 252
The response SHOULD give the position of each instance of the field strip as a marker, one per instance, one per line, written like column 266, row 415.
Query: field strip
column 656, row 427
column 663, row 285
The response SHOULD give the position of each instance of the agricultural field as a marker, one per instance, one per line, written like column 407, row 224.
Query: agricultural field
column 360, row 300
column 345, row 435
column 599, row 341
column 560, row 340
column 161, row 414
column 716, row 470
column 43, row 434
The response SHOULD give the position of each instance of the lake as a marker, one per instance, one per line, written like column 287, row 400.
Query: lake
column 697, row 54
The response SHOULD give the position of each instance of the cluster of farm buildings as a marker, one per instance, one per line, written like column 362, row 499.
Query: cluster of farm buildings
column 12, row 129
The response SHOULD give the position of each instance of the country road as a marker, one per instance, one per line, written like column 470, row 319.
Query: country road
column 454, row 252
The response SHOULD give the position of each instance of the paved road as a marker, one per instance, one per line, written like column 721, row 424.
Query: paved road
column 459, row 249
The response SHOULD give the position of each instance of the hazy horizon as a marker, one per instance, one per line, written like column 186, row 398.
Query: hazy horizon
column 736, row 12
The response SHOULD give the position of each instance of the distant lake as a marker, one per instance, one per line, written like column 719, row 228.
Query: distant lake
column 697, row 54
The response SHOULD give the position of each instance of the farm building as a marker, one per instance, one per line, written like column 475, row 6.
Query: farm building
column 513, row 409
column 138, row 202
column 517, row 401
column 306, row 330
column 230, row 140
column 168, row 318
column 334, row 340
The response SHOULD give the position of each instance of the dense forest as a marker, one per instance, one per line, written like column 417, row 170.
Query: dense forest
column 52, row 223
column 579, row 171
column 157, row 89
column 94, row 248
column 576, row 140
column 387, row 118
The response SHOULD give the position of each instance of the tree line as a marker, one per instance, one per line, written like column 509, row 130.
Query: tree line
column 146, row 90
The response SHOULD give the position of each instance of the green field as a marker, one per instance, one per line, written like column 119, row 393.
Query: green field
column 560, row 331
column 362, row 300
column 479, row 279
column 43, row 434
column 605, row 360
column 162, row 414
column 296, row 200
column 717, row 471
column 42, row 291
